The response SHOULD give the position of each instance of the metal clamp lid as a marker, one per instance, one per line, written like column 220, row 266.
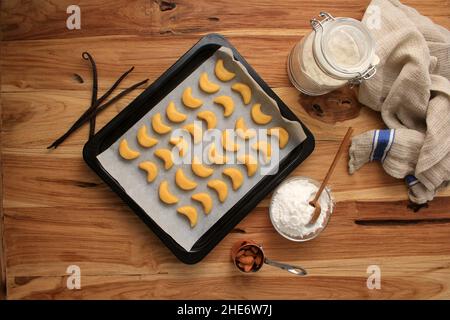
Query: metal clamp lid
column 369, row 73
column 315, row 23
column 318, row 27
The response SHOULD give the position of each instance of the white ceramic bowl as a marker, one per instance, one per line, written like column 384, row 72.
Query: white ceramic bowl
column 326, row 193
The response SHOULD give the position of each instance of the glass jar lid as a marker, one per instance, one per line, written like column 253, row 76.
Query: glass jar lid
column 344, row 48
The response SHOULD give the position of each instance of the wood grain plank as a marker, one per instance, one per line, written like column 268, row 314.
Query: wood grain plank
column 50, row 64
column 262, row 286
column 47, row 19
column 2, row 238
column 399, row 212
column 3, row 284
column 112, row 241
column 259, row 17
column 50, row 114
column 2, row 261
column 44, row 19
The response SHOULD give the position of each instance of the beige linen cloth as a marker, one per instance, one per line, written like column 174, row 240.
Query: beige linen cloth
column 411, row 89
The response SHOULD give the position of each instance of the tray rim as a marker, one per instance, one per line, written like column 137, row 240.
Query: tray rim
column 234, row 215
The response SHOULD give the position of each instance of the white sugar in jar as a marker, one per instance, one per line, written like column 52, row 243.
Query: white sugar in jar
column 290, row 212
column 338, row 51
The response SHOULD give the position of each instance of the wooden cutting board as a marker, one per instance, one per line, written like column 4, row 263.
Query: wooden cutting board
column 57, row 213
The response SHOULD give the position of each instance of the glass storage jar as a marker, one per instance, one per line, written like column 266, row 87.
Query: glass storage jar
column 338, row 51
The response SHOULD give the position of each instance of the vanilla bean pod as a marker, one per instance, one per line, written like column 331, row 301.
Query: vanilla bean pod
column 87, row 56
column 114, row 86
column 88, row 114
column 95, row 112
column 104, row 96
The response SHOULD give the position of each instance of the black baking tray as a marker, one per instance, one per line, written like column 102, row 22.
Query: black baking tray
column 195, row 56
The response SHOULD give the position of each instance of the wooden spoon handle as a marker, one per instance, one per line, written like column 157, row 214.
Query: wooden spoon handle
column 333, row 164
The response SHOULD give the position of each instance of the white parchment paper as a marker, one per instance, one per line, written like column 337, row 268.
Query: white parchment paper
column 133, row 180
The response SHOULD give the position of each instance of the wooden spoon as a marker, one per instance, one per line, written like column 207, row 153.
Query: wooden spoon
column 315, row 202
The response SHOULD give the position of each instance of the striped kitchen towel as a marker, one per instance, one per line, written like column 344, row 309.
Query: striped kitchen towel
column 411, row 90
column 398, row 151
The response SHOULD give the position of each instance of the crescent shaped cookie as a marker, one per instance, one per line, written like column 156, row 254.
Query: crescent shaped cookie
column 158, row 125
column 221, row 73
column 258, row 116
column 190, row 213
column 184, row 182
column 263, row 147
column 220, row 187
column 250, row 162
column 214, row 157
column 244, row 90
column 227, row 103
column 199, row 169
column 206, row 85
column 126, row 152
column 166, row 156
column 165, row 195
column 181, row 144
column 195, row 131
column 228, row 143
column 189, row 101
column 281, row 133
column 173, row 114
column 209, row 117
column 150, row 168
column 205, row 200
column 236, row 177
column 242, row 131
column 144, row 139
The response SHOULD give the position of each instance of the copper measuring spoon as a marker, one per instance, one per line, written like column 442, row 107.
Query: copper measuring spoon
column 251, row 250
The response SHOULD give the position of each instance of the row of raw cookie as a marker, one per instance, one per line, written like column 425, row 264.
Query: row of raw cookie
column 197, row 133
column 147, row 141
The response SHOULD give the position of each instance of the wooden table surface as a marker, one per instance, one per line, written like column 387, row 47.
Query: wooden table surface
column 57, row 212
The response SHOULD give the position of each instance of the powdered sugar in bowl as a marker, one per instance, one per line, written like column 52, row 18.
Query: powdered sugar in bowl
column 290, row 211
